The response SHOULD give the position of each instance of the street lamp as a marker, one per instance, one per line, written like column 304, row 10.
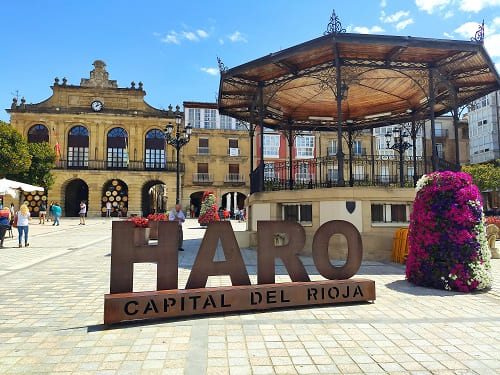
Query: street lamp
column 400, row 145
column 182, row 137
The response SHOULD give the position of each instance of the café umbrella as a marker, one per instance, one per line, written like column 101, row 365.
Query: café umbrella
column 11, row 187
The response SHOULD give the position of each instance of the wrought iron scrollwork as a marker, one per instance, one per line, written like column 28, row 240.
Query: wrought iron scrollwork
column 222, row 67
column 334, row 26
column 479, row 35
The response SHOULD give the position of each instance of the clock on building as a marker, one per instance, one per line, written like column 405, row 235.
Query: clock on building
column 96, row 105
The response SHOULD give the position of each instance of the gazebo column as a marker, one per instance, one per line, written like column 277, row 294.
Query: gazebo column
column 455, row 127
column 373, row 157
column 432, row 102
column 340, row 154
column 251, row 133
column 350, row 144
column 424, row 145
column 261, row 124
column 290, row 157
column 414, row 142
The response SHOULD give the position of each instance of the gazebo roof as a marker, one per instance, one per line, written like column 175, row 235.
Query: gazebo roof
column 387, row 77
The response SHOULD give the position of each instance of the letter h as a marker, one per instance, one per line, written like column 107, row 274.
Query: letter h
column 125, row 252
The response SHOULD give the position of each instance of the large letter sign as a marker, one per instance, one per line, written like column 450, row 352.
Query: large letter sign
column 168, row 301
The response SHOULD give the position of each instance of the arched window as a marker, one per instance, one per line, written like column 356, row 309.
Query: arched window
column 155, row 149
column 38, row 133
column 78, row 147
column 118, row 148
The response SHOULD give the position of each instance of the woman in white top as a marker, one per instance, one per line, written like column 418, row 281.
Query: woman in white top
column 23, row 218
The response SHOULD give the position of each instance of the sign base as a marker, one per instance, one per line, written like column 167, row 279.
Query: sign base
column 186, row 302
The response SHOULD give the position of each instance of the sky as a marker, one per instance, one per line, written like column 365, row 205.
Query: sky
column 172, row 46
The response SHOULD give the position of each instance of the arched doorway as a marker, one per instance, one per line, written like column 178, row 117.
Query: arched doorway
column 76, row 191
column 115, row 192
column 233, row 201
column 154, row 197
column 195, row 203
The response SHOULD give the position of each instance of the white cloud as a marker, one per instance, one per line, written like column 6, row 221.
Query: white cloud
column 448, row 14
column 431, row 5
column 448, row 35
column 467, row 30
column 367, row 30
column 477, row 5
column 211, row 71
column 403, row 24
column 171, row 37
column 383, row 3
column 237, row 37
column 189, row 35
column 202, row 33
column 492, row 45
column 221, row 41
column 394, row 17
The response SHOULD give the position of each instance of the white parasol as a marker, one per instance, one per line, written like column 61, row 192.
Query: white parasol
column 10, row 187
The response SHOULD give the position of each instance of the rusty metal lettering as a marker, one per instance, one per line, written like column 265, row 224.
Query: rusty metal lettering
column 124, row 253
column 267, row 251
column 204, row 264
column 354, row 250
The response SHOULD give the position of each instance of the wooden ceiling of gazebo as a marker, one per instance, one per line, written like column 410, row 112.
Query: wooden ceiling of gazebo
column 388, row 80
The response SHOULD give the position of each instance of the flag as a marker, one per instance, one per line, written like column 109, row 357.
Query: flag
column 57, row 148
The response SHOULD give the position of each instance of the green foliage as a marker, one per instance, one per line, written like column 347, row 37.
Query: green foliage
column 43, row 160
column 14, row 154
column 485, row 176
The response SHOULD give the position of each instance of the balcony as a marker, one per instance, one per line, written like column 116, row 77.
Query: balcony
column 203, row 178
column 234, row 178
column 233, row 151
column 132, row 165
column 203, row 150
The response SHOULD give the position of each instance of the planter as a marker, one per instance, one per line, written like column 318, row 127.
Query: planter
column 153, row 230
column 141, row 236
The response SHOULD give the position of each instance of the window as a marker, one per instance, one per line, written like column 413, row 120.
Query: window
column 203, row 148
column 381, row 143
column 410, row 172
column 234, row 168
column 210, row 118
column 303, row 172
column 194, row 117
column 384, row 174
column 359, row 172
column 233, row 148
column 301, row 213
column 269, row 170
column 439, row 149
column 155, row 149
column 78, row 147
column 304, row 146
column 240, row 125
column 202, row 167
column 332, row 173
column 438, row 129
column 332, row 147
column 390, row 213
column 225, row 122
column 356, row 148
column 117, row 148
column 271, row 146
column 38, row 134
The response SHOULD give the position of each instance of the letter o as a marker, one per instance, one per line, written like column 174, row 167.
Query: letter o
column 354, row 250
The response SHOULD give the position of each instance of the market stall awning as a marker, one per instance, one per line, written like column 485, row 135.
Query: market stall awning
column 10, row 187
column 383, row 79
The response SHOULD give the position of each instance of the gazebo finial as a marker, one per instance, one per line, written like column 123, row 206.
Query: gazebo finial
column 334, row 26
column 479, row 36
column 222, row 67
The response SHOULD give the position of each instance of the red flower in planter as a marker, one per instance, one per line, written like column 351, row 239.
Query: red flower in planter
column 140, row 222
column 157, row 217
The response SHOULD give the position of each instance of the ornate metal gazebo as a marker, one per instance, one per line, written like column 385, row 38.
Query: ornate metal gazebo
column 344, row 82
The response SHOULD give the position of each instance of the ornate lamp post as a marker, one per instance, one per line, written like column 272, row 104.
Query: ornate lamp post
column 182, row 137
column 400, row 145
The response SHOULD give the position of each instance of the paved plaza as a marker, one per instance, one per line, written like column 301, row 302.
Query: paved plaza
column 51, row 314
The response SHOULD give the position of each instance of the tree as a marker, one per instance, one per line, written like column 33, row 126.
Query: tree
column 485, row 176
column 43, row 159
column 14, row 154
column 208, row 210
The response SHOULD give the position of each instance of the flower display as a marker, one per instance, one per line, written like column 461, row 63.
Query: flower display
column 493, row 220
column 157, row 217
column 140, row 222
column 447, row 234
column 208, row 210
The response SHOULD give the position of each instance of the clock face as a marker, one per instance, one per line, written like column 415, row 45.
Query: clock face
column 96, row 105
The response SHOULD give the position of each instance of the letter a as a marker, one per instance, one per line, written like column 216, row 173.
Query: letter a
column 204, row 264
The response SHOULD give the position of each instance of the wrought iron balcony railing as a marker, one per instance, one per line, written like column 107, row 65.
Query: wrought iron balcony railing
column 203, row 177
column 234, row 178
column 81, row 164
column 203, row 150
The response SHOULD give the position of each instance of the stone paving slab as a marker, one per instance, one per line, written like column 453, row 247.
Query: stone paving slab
column 51, row 312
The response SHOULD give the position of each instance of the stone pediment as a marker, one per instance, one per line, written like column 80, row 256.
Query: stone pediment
column 99, row 77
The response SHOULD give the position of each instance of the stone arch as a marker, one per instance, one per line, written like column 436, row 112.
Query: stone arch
column 154, row 199
column 115, row 192
column 38, row 133
column 74, row 191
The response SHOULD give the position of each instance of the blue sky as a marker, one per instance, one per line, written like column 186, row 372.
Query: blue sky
column 172, row 46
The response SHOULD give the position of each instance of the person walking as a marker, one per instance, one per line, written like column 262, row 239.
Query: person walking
column 23, row 218
column 51, row 213
column 56, row 211
column 43, row 213
column 12, row 211
column 177, row 215
column 4, row 223
column 108, row 209
column 82, row 213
